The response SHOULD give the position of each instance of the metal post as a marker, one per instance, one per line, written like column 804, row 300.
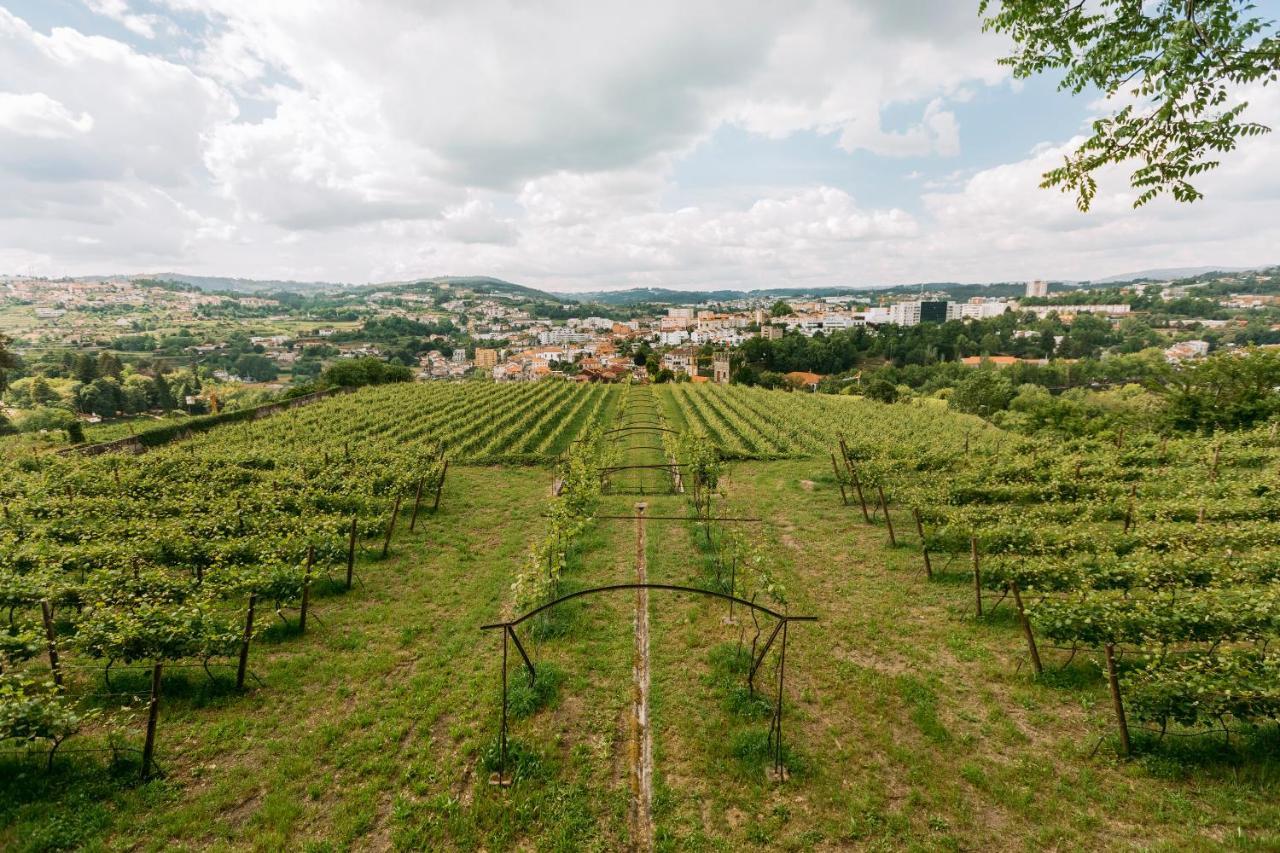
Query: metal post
column 782, row 670
column 244, row 643
column 153, row 713
column 502, row 759
column 47, row 612
column 1125, row 746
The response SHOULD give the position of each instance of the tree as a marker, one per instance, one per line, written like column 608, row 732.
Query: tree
column 882, row 390
column 84, row 368
column 258, row 368
column 109, row 365
column 780, row 309
column 8, row 361
column 1230, row 390
column 983, row 392
column 352, row 373
column 1175, row 66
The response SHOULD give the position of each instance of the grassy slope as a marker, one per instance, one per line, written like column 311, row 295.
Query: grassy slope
column 910, row 725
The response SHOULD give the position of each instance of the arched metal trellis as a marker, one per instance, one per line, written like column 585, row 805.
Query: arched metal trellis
column 508, row 629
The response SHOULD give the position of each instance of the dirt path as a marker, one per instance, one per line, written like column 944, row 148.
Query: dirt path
column 641, row 736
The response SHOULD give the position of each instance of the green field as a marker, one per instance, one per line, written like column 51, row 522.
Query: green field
column 908, row 722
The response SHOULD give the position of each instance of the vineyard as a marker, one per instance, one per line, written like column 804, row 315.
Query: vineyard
column 452, row 616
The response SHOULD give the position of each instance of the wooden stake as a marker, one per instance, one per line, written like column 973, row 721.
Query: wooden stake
column 924, row 547
column 1125, row 747
column 1129, row 522
column 244, row 642
column 351, row 552
column 844, row 499
column 977, row 572
column 47, row 612
column 1026, row 630
column 862, row 501
column 391, row 525
column 888, row 521
column 153, row 714
column 1217, row 450
column 435, row 505
column 306, row 589
column 417, row 499
column 1200, row 515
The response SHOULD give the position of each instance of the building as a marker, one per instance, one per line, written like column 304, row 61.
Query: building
column 801, row 379
column 1066, row 311
column 917, row 312
column 1186, row 350
column 999, row 361
column 683, row 360
column 486, row 359
column 720, row 367
column 976, row 309
column 771, row 333
column 1037, row 289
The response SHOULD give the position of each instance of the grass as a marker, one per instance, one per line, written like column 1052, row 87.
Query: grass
column 906, row 722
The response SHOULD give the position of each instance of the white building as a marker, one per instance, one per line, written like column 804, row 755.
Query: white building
column 1037, row 288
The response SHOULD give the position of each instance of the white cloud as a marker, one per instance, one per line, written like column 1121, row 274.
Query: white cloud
column 542, row 142
column 118, row 10
column 36, row 114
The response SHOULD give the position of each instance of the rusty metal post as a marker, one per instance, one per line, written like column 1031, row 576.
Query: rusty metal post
column 502, row 757
column 243, row 668
column 782, row 670
column 153, row 714
column 47, row 612
column 391, row 526
column 1026, row 629
column 1125, row 747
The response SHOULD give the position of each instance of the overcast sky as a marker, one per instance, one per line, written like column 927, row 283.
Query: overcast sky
column 568, row 145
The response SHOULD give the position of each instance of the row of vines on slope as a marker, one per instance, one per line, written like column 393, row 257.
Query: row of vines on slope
column 161, row 559
column 1155, row 555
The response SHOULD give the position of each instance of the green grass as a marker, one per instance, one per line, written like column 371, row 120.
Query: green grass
column 906, row 722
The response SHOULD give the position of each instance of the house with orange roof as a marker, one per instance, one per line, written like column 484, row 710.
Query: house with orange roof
column 801, row 379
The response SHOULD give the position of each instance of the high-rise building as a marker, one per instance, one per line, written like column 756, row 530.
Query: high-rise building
column 486, row 359
column 1037, row 288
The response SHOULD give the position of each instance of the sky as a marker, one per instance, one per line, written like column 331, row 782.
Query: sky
column 572, row 146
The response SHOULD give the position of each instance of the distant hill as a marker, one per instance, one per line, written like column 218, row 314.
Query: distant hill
column 488, row 284
column 641, row 295
column 1170, row 274
column 247, row 285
